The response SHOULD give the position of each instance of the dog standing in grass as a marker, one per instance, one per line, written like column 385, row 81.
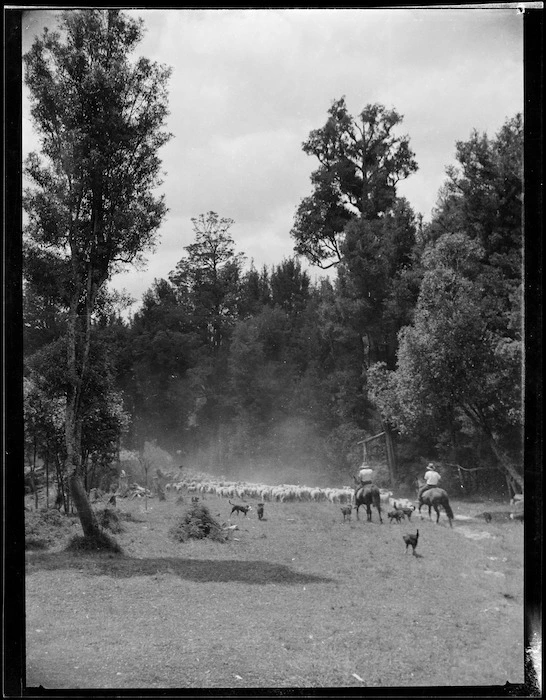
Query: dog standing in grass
column 396, row 514
column 346, row 510
column 239, row 509
column 260, row 511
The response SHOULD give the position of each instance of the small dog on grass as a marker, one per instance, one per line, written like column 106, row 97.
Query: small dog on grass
column 411, row 541
column 239, row 509
column 487, row 517
column 397, row 515
column 260, row 510
column 346, row 510
column 407, row 510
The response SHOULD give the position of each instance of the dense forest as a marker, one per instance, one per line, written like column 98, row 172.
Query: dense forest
column 415, row 335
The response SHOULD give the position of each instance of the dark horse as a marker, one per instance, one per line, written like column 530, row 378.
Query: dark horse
column 434, row 498
column 366, row 496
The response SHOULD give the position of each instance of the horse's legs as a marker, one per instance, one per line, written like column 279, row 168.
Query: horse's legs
column 429, row 515
column 356, row 508
column 369, row 512
column 437, row 513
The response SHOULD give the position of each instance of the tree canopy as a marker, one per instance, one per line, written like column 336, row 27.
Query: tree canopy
column 91, row 200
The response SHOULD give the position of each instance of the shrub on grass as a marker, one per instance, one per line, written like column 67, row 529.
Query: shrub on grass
column 197, row 523
column 101, row 542
column 109, row 519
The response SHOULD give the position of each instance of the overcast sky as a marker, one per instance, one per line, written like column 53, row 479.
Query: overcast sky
column 248, row 86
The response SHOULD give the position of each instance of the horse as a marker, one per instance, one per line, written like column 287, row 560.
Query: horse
column 366, row 496
column 434, row 498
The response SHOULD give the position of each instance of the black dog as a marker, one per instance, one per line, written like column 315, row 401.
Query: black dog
column 260, row 510
column 239, row 509
column 397, row 515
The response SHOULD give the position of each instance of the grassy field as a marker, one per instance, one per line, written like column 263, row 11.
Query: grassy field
column 300, row 599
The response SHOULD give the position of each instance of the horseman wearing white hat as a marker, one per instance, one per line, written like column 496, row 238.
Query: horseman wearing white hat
column 432, row 478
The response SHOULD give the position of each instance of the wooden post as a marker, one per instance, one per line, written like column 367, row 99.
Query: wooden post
column 391, row 457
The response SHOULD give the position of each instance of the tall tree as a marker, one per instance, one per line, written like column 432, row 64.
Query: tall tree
column 483, row 198
column 208, row 278
column 91, row 198
column 208, row 285
column 361, row 162
column 456, row 373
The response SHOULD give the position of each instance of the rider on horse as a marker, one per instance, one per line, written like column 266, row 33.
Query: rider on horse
column 431, row 479
column 366, row 493
column 365, row 475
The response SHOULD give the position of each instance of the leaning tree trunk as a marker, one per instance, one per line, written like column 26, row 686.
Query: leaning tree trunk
column 513, row 476
column 86, row 514
column 505, row 464
column 73, row 421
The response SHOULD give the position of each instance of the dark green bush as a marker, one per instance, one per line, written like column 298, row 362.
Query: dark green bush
column 109, row 520
column 197, row 523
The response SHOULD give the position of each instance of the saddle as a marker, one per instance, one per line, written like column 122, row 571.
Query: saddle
column 365, row 488
column 429, row 487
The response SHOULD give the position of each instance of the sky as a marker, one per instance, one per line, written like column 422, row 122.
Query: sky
column 249, row 85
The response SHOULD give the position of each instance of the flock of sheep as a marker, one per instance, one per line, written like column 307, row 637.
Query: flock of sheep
column 283, row 493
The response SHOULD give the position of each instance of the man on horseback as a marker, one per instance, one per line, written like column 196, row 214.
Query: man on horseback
column 365, row 475
column 432, row 479
column 366, row 493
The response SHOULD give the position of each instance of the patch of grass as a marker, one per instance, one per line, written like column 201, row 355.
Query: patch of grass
column 36, row 543
column 101, row 542
column 300, row 601
column 130, row 517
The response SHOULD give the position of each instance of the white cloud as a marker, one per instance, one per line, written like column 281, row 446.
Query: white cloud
column 249, row 85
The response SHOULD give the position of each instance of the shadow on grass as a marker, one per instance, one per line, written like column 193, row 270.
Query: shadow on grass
column 222, row 570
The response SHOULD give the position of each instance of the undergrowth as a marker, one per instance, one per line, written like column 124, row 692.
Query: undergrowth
column 197, row 523
column 109, row 519
column 43, row 528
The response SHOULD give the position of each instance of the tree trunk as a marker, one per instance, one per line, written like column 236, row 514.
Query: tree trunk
column 85, row 513
column 505, row 463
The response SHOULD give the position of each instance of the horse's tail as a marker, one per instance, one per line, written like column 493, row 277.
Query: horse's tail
column 448, row 510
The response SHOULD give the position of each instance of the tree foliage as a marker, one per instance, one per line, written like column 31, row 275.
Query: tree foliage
column 361, row 161
column 459, row 367
column 90, row 201
column 417, row 335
